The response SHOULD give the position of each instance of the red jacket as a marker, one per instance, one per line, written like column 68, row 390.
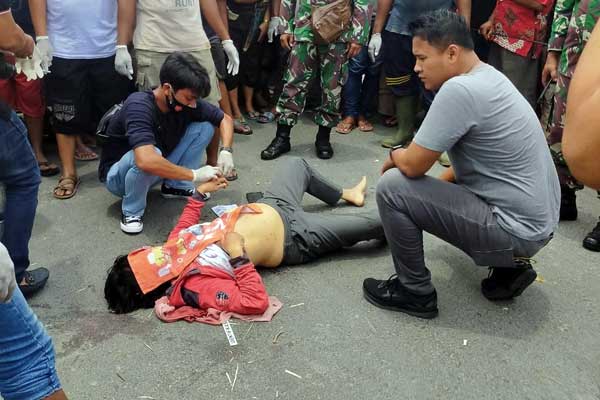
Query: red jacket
column 206, row 287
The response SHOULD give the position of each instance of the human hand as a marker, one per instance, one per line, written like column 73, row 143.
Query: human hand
column 225, row 162
column 233, row 243
column 214, row 185
column 123, row 63
column 205, row 174
column 262, row 29
column 27, row 49
column 8, row 281
column 550, row 71
column 274, row 25
column 46, row 50
column 487, row 30
column 374, row 46
column 287, row 41
column 387, row 164
column 233, row 57
column 31, row 67
column 353, row 49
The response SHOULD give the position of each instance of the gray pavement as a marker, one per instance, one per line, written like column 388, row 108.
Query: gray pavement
column 544, row 345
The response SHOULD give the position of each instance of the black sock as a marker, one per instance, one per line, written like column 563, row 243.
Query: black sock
column 283, row 130
column 323, row 134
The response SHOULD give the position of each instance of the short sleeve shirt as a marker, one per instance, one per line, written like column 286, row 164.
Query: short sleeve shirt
column 20, row 12
column 140, row 122
column 4, row 6
column 406, row 11
column 497, row 148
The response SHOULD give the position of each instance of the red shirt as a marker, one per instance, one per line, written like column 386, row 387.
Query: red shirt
column 517, row 28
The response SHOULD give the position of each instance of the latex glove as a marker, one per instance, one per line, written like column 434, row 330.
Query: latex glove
column 274, row 25
column 8, row 281
column 205, row 174
column 46, row 50
column 123, row 63
column 225, row 162
column 233, row 64
column 374, row 46
column 31, row 66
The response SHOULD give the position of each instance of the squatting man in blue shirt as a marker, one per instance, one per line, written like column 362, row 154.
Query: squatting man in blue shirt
column 499, row 202
column 160, row 135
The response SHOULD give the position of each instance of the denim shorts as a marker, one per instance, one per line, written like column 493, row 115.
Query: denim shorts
column 27, row 366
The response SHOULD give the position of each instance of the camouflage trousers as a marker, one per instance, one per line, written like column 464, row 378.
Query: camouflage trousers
column 306, row 59
column 556, row 131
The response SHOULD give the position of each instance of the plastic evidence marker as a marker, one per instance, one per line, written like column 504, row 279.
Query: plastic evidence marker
column 229, row 332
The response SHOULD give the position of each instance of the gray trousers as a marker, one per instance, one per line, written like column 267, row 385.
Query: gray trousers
column 452, row 213
column 308, row 235
column 523, row 72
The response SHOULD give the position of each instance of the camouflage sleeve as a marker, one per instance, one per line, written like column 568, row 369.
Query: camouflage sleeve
column 560, row 23
column 361, row 21
column 287, row 10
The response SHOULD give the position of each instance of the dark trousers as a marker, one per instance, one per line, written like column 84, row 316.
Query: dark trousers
column 20, row 175
column 452, row 213
column 359, row 95
column 307, row 235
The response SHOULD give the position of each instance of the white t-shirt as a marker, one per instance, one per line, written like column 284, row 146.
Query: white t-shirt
column 82, row 29
column 166, row 26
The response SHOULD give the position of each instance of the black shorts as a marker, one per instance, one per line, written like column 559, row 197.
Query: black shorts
column 219, row 57
column 79, row 92
column 399, row 64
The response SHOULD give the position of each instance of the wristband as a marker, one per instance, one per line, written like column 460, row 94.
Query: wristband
column 41, row 37
column 121, row 46
column 227, row 148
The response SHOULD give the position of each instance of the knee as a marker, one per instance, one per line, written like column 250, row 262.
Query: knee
column 393, row 182
column 201, row 129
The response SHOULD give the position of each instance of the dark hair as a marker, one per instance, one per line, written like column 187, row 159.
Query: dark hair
column 182, row 71
column 442, row 28
column 122, row 292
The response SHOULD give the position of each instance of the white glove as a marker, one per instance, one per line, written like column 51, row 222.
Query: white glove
column 123, row 63
column 273, row 30
column 46, row 50
column 374, row 46
column 205, row 174
column 30, row 66
column 8, row 281
column 233, row 65
column 225, row 162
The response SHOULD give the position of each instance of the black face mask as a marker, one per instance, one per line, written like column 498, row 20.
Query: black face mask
column 172, row 102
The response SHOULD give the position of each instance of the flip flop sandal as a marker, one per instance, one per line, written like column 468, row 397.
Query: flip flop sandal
column 233, row 176
column 365, row 126
column 49, row 169
column 253, row 115
column 390, row 122
column 85, row 155
column 241, row 127
column 266, row 117
column 66, row 183
column 345, row 128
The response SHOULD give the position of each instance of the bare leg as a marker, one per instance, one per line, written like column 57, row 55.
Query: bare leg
column 235, row 107
column 248, row 97
column 60, row 395
column 66, row 151
column 212, row 150
column 356, row 195
column 35, row 126
column 224, row 102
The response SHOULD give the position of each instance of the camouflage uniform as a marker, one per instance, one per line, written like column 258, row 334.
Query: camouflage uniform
column 307, row 57
column 573, row 23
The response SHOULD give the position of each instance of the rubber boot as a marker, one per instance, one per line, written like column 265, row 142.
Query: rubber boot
column 406, row 111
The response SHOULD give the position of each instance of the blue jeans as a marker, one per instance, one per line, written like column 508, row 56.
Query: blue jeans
column 359, row 95
column 20, row 174
column 27, row 367
column 126, row 180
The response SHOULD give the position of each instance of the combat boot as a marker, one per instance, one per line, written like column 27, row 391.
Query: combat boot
column 406, row 112
column 278, row 146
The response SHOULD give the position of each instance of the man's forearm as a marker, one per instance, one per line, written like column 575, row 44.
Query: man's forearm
column 275, row 6
column 125, row 21
column 464, row 9
column 383, row 9
column 159, row 166
column 37, row 9
column 210, row 10
column 222, row 5
column 13, row 39
column 532, row 4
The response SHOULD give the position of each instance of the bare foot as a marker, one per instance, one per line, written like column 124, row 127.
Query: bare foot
column 356, row 195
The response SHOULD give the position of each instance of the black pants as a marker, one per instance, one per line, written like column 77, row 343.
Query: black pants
column 307, row 235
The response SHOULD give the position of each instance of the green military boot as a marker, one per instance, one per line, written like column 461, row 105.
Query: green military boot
column 406, row 111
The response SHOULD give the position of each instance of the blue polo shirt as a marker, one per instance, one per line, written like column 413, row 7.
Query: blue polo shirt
column 406, row 11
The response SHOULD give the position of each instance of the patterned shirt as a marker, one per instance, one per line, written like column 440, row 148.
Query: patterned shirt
column 574, row 21
column 517, row 28
column 297, row 13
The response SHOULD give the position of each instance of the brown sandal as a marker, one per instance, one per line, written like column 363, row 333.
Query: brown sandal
column 345, row 126
column 364, row 125
column 66, row 184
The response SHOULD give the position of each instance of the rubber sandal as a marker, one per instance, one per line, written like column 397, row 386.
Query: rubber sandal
column 266, row 117
column 241, row 127
column 85, row 155
column 70, row 183
column 365, row 126
column 344, row 127
column 233, row 176
column 49, row 170
column 253, row 115
column 390, row 122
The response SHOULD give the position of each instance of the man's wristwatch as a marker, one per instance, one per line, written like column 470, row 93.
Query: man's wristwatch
column 227, row 148
column 400, row 146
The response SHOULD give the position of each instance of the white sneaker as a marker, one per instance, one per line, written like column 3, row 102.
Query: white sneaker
column 131, row 224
